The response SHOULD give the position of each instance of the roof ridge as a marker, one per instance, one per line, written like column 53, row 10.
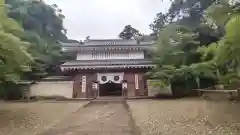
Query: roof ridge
column 107, row 39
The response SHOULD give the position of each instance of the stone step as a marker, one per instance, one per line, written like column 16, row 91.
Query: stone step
column 108, row 99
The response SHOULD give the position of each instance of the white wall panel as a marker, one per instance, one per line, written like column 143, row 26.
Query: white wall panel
column 54, row 88
column 110, row 55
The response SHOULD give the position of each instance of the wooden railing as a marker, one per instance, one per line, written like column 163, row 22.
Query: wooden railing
column 228, row 93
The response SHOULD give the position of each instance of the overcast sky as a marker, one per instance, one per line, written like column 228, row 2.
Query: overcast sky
column 107, row 18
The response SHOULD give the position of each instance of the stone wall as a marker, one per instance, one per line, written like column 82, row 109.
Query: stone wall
column 154, row 91
column 52, row 89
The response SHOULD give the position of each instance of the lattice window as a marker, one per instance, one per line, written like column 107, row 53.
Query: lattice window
column 110, row 55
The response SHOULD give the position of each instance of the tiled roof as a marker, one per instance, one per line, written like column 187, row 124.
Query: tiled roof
column 108, row 42
column 107, row 48
column 146, row 66
column 106, row 62
column 108, row 45
column 56, row 78
column 111, row 42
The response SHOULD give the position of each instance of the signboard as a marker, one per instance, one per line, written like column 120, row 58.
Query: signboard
column 84, row 81
column 136, row 81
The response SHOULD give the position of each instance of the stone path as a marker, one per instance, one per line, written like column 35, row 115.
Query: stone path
column 96, row 119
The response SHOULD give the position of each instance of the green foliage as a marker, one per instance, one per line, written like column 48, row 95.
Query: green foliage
column 36, row 16
column 159, row 23
column 43, row 28
column 208, row 52
column 14, row 57
column 212, row 37
column 159, row 84
column 29, row 32
column 189, row 13
column 186, row 45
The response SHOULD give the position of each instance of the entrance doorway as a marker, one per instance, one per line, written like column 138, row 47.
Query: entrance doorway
column 110, row 89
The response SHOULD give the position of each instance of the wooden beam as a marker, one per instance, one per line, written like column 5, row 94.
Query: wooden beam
column 223, row 91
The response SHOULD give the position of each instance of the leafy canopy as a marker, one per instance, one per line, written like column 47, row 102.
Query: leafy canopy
column 14, row 57
column 43, row 29
column 129, row 32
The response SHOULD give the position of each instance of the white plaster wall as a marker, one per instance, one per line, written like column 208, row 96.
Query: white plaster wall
column 123, row 55
column 84, row 56
column 136, row 55
column 54, row 88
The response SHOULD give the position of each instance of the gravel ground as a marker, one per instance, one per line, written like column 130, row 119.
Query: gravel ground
column 33, row 118
column 96, row 119
column 186, row 117
column 153, row 117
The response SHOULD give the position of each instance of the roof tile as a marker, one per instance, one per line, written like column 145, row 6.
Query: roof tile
column 111, row 42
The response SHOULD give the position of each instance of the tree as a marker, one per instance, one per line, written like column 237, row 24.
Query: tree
column 188, row 12
column 185, row 49
column 178, row 59
column 183, row 12
column 45, row 20
column 43, row 25
column 159, row 23
column 14, row 57
column 207, row 47
column 129, row 32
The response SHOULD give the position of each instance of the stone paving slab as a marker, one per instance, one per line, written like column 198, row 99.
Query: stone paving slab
column 96, row 119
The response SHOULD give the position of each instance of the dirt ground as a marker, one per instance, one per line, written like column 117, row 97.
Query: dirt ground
column 33, row 118
column 186, row 117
